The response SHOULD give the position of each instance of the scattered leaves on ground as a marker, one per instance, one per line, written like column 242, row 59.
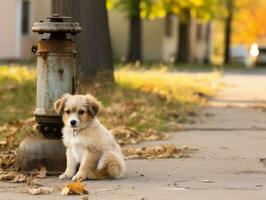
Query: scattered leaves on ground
column 259, row 105
column 162, row 103
column 74, row 188
column 125, row 136
column 11, row 133
column 20, row 178
column 157, row 152
column 8, row 159
column 8, row 176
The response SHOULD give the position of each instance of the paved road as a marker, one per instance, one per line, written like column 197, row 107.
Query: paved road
column 231, row 137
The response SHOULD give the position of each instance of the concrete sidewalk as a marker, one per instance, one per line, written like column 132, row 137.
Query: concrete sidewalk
column 231, row 138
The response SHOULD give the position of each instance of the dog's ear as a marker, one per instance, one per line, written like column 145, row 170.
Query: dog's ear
column 93, row 105
column 60, row 104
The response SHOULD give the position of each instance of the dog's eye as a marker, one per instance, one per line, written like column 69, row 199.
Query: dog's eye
column 67, row 111
column 81, row 112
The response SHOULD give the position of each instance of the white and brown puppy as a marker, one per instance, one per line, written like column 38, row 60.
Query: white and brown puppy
column 89, row 144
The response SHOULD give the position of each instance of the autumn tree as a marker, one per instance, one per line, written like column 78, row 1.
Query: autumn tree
column 94, row 56
column 249, row 22
column 204, row 10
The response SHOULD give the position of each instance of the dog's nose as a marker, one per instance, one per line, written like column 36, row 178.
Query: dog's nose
column 73, row 122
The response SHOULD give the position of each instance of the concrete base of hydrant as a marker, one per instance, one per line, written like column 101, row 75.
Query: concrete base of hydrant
column 36, row 152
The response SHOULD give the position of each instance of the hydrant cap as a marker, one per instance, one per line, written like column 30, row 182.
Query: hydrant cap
column 57, row 23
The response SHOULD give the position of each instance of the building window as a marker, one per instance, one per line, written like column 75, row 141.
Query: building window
column 168, row 25
column 25, row 18
column 199, row 32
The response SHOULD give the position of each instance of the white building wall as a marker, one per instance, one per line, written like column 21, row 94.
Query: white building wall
column 40, row 10
column 151, row 37
column 170, row 42
column 8, row 29
column 13, row 44
column 152, row 46
column 119, row 30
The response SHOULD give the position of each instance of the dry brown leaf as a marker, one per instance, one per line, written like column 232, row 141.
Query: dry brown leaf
column 65, row 191
column 3, row 144
column 10, row 129
column 74, row 188
column 8, row 159
column 8, row 176
column 20, row 178
column 41, row 190
column 42, row 172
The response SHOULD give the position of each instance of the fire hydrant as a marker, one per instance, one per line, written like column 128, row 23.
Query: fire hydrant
column 55, row 76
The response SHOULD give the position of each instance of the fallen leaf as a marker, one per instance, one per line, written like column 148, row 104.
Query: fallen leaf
column 74, row 188
column 65, row 191
column 8, row 159
column 3, row 144
column 10, row 129
column 42, row 172
column 41, row 190
column 20, row 178
column 8, row 176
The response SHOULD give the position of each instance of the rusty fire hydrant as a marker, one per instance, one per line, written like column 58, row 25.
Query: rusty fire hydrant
column 55, row 76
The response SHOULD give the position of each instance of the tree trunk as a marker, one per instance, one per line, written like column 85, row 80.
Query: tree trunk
column 135, row 34
column 228, row 31
column 183, row 49
column 94, row 54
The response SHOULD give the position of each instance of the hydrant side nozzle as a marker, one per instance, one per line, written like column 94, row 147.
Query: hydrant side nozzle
column 34, row 49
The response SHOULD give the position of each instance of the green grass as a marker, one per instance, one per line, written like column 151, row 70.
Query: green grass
column 154, row 98
column 141, row 98
column 17, row 93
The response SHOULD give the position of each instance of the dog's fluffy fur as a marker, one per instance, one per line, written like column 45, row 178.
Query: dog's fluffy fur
column 89, row 144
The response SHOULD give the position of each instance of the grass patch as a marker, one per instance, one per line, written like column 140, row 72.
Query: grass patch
column 154, row 98
column 141, row 98
column 17, row 93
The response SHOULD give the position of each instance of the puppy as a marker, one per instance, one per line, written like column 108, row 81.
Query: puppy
column 89, row 144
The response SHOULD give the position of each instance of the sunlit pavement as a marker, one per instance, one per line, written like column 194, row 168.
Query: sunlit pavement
column 231, row 137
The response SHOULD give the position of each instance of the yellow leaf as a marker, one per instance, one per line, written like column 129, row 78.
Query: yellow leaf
column 74, row 188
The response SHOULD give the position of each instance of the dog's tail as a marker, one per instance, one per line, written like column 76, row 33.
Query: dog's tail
column 114, row 164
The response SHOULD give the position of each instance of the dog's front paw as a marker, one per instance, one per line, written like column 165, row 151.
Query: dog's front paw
column 65, row 176
column 79, row 177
